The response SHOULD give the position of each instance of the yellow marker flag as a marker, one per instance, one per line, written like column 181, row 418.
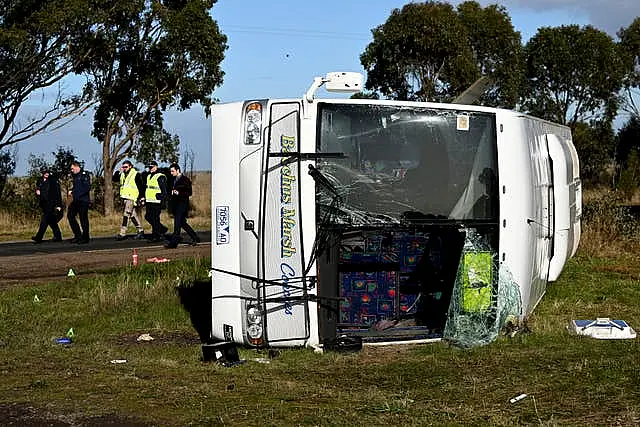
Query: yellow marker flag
column 36, row 299
column 71, row 273
column 70, row 333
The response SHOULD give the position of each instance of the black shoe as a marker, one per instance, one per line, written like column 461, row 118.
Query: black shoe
column 74, row 240
column 120, row 237
column 194, row 242
column 155, row 239
column 83, row 241
column 139, row 236
column 36, row 240
column 171, row 245
column 58, row 239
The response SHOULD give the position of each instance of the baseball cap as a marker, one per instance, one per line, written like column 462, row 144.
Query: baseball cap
column 152, row 163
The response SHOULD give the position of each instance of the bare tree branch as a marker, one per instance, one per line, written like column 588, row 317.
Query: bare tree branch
column 629, row 104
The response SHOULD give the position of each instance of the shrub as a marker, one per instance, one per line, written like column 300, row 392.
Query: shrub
column 608, row 226
column 630, row 176
column 19, row 199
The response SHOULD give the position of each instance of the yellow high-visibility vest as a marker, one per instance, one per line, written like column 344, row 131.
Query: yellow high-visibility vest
column 128, row 187
column 153, row 188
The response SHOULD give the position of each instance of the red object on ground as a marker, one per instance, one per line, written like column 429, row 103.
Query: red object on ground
column 134, row 257
column 156, row 259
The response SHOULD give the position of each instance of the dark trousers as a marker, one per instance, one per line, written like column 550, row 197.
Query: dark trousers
column 180, row 213
column 81, row 210
column 48, row 219
column 152, row 215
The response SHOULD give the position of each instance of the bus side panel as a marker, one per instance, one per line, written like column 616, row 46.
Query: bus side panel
column 226, row 306
column 251, row 161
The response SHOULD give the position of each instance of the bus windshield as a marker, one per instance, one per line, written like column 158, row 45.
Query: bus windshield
column 403, row 162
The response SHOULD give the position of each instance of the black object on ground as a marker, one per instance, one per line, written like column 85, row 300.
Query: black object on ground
column 343, row 344
column 225, row 353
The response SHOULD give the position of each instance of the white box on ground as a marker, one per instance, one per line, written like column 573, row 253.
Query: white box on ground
column 602, row 328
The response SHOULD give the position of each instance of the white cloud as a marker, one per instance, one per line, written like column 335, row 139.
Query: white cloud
column 607, row 15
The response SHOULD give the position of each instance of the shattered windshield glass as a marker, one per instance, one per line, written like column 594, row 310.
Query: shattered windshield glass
column 400, row 163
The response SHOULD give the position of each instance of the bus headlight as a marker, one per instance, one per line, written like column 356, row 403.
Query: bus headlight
column 254, row 325
column 254, row 331
column 254, row 316
column 253, row 123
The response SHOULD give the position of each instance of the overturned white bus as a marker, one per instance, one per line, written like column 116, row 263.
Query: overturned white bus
column 376, row 219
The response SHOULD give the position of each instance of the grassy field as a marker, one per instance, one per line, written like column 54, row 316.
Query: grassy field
column 18, row 228
column 569, row 380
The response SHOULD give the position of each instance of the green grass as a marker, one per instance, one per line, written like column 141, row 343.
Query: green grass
column 569, row 380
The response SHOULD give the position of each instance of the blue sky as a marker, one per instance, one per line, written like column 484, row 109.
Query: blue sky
column 277, row 47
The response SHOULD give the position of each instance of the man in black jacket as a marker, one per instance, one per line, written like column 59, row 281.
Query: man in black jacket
column 180, row 193
column 79, row 204
column 50, row 200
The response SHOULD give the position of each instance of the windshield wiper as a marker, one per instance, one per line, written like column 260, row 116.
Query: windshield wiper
column 292, row 157
column 319, row 178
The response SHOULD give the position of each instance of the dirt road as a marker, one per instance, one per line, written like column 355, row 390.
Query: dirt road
column 23, row 263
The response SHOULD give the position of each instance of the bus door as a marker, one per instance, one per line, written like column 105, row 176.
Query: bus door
column 283, row 293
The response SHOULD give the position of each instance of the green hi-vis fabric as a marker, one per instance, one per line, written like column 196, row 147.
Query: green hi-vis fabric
column 477, row 281
column 128, row 187
column 153, row 188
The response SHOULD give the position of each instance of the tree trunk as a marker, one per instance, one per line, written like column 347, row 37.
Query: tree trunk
column 107, row 163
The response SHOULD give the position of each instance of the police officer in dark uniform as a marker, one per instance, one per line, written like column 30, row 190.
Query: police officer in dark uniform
column 155, row 197
column 50, row 200
column 79, row 204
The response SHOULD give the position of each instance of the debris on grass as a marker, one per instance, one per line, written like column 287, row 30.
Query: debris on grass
column 158, row 259
column 144, row 337
column 343, row 344
column 233, row 364
column 273, row 353
column 224, row 353
column 518, row 398
column 118, row 361
column 179, row 338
